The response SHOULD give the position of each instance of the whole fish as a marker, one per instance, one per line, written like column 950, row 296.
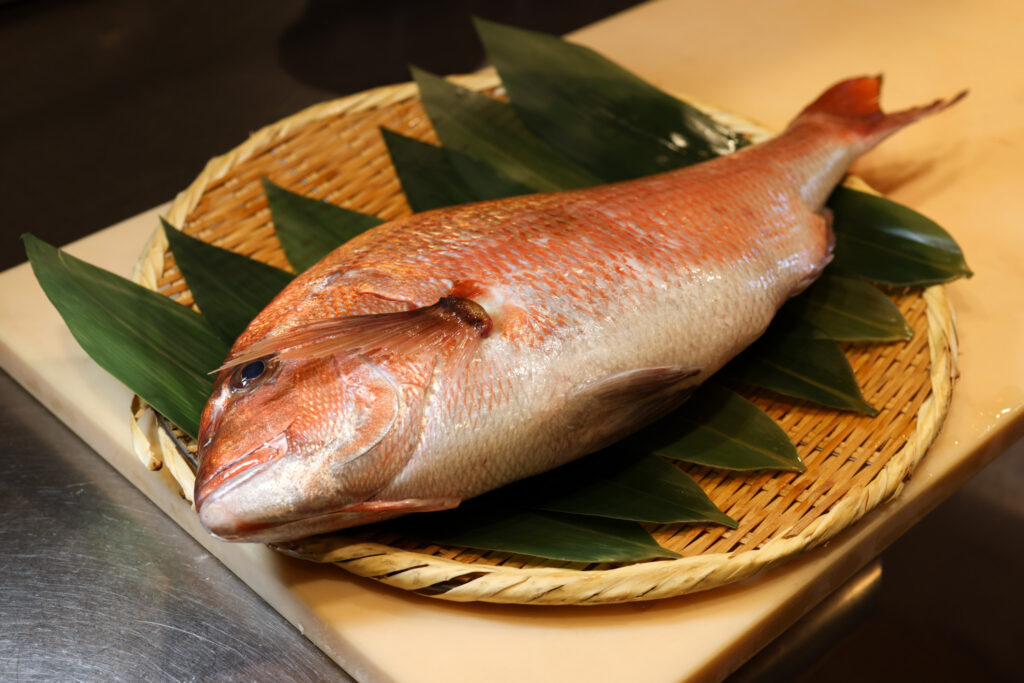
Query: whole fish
column 442, row 355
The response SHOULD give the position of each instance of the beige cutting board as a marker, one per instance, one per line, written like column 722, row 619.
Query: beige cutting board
column 963, row 169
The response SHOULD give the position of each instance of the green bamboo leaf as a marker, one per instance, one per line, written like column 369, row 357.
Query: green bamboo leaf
column 616, row 485
column 557, row 536
column 308, row 228
column 488, row 130
column 601, row 116
column 230, row 289
column 428, row 178
column 433, row 177
column 789, row 359
column 848, row 309
column 160, row 349
column 719, row 428
column 886, row 242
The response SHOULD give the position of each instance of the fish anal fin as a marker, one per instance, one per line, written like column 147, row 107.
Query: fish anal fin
column 825, row 241
column 451, row 327
column 611, row 407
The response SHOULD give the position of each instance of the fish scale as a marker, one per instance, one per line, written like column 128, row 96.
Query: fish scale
column 442, row 355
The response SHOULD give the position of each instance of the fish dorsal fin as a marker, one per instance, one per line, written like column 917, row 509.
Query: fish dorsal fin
column 613, row 406
column 451, row 327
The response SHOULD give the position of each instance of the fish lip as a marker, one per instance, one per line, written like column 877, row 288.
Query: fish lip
column 281, row 529
column 297, row 528
column 240, row 470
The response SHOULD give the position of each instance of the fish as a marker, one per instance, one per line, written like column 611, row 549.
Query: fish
column 448, row 353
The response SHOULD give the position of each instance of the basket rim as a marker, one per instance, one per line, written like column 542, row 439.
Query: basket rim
column 462, row 582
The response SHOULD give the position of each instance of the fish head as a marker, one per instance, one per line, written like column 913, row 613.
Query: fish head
column 286, row 444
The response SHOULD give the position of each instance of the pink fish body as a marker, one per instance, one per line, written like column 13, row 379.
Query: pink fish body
column 445, row 354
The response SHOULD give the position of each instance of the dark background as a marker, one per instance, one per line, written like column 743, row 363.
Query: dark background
column 113, row 106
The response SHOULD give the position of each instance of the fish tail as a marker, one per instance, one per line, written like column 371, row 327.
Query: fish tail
column 853, row 104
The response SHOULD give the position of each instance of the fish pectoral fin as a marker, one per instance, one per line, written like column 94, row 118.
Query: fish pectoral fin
column 405, row 505
column 450, row 326
column 611, row 407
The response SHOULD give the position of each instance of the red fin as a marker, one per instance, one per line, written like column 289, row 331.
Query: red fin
column 452, row 325
column 855, row 102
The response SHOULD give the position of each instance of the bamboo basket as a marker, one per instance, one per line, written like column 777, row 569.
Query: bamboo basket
column 334, row 151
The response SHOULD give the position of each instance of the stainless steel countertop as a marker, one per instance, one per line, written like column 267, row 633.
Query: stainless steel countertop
column 97, row 584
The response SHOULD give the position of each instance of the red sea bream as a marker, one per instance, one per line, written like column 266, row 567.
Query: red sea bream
column 442, row 355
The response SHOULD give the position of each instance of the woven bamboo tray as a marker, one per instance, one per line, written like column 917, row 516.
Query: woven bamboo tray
column 334, row 151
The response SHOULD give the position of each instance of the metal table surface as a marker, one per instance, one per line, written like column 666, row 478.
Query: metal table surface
column 98, row 584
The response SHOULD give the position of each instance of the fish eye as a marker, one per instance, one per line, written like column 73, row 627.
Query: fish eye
column 250, row 374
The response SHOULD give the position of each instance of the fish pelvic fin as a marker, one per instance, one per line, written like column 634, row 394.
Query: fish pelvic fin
column 452, row 327
column 607, row 409
column 372, row 507
column 854, row 104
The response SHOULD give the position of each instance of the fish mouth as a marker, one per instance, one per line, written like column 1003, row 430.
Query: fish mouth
column 239, row 470
column 299, row 527
column 226, row 506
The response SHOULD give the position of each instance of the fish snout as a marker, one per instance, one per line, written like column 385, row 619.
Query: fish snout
column 219, row 475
